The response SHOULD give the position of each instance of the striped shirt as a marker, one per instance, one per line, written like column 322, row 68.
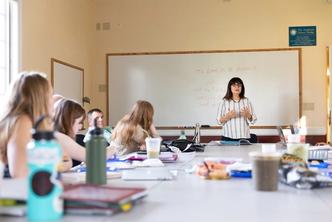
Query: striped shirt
column 237, row 127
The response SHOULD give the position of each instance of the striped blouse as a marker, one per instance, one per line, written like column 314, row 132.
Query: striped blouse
column 237, row 127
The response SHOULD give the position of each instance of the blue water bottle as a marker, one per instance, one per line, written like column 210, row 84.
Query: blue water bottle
column 44, row 156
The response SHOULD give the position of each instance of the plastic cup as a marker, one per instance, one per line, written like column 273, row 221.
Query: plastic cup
column 268, row 148
column 152, row 147
column 299, row 149
column 265, row 170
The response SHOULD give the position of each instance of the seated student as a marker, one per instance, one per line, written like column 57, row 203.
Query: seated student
column 68, row 118
column 97, row 114
column 29, row 98
column 130, row 132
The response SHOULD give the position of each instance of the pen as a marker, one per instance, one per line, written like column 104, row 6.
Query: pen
column 207, row 167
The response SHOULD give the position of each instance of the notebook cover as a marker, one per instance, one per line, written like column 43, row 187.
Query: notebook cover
column 88, row 192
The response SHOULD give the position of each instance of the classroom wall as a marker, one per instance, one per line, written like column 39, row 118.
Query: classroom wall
column 188, row 25
column 61, row 29
column 66, row 30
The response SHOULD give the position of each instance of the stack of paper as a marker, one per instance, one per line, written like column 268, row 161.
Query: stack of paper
column 13, row 195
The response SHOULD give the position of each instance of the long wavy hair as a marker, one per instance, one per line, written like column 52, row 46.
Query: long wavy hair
column 30, row 95
column 65, row 114
column 141, row 114
column 229, row 94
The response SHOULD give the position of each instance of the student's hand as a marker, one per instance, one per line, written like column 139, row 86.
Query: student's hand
column 65, row 164
column 142, row 147
column 110, row 152
column 245, row 112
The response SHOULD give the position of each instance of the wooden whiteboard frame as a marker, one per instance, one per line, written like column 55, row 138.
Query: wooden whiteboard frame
column 53, row 75
column 299, row 50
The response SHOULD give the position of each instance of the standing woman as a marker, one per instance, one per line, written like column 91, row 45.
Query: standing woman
column 130, row 132
column 235, row 112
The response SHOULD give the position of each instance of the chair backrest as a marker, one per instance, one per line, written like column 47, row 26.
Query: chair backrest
column 253, row 138
column 79, row 140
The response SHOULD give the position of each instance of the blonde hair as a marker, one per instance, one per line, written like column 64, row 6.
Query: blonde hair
column 66, row 112
column 29, row 95
column 141, row 114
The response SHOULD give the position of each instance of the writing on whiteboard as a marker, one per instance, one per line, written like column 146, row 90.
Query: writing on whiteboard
column 209, row 93
column 224, row 70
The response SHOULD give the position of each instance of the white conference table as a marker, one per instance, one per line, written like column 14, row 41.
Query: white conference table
column 190, row 198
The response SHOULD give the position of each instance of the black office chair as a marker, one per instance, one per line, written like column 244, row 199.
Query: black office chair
column 79, row 140
column 253, row 138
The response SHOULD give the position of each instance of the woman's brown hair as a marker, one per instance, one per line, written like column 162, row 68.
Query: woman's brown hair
column 30, row 95
column 229, row 94
column 141, row 114
column 66, row 112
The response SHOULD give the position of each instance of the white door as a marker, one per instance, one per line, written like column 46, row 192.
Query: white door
column 68, row 80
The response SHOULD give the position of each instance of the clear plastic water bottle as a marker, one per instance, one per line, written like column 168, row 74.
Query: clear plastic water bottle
column 182, row 135
column 44, row 156
column 96, row 157
column 197, row 134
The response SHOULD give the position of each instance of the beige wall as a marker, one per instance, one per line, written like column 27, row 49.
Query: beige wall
column 180, row 25
column 61, row 29
column 65, row 29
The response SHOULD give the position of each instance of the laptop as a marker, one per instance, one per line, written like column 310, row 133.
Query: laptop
column 147, row 174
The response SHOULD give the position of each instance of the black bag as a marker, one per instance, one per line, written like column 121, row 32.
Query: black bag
column 182, row 144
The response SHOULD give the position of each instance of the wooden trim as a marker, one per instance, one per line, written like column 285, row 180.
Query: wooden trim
column 312, row 139
column 300, row 82
column 328, row 99
column 211, row 51
column 202, row 51
column 67, row 64
column 53, row 60
column 52, row 72
column 107, row 89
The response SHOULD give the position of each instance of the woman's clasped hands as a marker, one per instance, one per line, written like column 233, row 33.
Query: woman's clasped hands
column 245, row 112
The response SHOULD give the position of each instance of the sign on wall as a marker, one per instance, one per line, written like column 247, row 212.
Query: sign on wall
column 302, row 35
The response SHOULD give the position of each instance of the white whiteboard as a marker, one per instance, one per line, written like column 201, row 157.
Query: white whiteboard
column 68, row 80
column 186, row 88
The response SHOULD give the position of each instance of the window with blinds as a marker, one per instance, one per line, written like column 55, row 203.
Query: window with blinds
column 9, row 44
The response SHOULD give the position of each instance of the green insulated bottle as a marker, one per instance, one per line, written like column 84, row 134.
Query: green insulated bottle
column 96, row 157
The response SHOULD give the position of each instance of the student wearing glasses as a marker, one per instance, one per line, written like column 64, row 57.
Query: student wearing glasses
column 235, row 112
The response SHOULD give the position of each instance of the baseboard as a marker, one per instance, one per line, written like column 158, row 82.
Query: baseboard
column 312, row 139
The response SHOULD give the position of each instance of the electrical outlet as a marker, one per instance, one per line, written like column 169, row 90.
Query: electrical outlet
column 102, row 88
column 308, row 106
